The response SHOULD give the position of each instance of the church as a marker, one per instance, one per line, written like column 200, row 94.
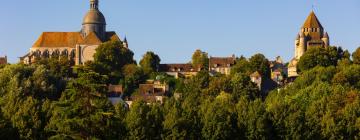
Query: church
column 77, row 46
column 312, row 34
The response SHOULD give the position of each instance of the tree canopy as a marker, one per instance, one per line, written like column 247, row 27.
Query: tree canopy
column 150, row 62
column 320, row 56
column 111, row 57
column 200, row 59
column 53, row 100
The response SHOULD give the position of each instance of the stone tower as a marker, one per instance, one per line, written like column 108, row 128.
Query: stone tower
column 311, row 34
column 94, row 21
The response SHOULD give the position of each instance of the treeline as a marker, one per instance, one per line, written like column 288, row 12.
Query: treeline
column 52, row 100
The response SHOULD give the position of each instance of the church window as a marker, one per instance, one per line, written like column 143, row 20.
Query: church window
column 64, row 53
column 72, row 54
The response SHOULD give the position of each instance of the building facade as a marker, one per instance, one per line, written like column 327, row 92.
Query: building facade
column 221, row 64
column 312, row 34
column 278, row 70
column 179, row 70
column 150, row 92
column 3, row 60
column 77, row 46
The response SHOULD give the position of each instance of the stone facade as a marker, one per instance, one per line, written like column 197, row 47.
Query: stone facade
column 221, row 64
column 278, row 70
column 179, row 70
column 76, row 46
column 312, row 34
column 150, row 92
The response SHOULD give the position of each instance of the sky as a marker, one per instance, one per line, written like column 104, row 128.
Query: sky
column 174, row 29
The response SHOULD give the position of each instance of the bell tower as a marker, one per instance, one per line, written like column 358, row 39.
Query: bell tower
column 94, row 21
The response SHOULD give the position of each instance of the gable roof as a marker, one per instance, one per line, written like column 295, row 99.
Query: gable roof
column 312, row 21
column 222, row 61
column 71, row 39
column 177, row 68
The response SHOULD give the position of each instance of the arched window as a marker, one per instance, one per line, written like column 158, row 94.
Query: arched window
column 45, row 54
column 72, row 54
column 65, row 53
column 37, row 53
column 55, row 53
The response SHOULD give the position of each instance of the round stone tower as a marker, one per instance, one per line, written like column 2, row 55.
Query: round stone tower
column 94, row 21
column 326, row 39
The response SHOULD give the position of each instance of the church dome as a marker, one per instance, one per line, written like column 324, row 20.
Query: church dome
column 94, row 17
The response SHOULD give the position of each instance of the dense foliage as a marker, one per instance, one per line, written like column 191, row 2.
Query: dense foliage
column 319, row 56
column 50, row 100
column 150, row 62
column 200, row 59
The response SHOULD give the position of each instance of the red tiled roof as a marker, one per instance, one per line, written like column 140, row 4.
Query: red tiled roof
column 71, row 39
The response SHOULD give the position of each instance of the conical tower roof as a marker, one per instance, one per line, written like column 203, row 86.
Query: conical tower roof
column 326, row 35
column 312, row 21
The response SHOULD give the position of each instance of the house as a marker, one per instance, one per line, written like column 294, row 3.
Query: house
column 264, row 84
column 151, row 92
column 278, row 70
column 221, row 64
column 3, row 60
column 115, row 93
column 179, row 70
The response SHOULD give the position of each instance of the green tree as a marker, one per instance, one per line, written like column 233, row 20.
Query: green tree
column 7, row 131
column 252, row 119
column 133, row 76
column 243, row 87
column 83, row 111
column 258, row 62
column 24, row 90
column 110, row 58
column 175, row 125
column 150, row 62
column 217, row 85
column 356, row 56
column 143, row 121
column 219, row 118
column 242, row 66
column 200, row 59
column 58, row 66
column 319, row 56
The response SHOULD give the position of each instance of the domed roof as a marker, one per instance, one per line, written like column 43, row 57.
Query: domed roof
column 94, row 17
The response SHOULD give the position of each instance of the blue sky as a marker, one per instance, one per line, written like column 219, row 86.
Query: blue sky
column 174, row 29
